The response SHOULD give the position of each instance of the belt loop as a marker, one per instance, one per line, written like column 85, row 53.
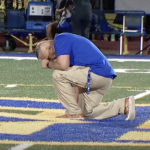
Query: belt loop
column 88, row 81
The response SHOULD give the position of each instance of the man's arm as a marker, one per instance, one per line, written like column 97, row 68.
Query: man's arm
column 61, row 63
column 61, row 7
column 59, row 11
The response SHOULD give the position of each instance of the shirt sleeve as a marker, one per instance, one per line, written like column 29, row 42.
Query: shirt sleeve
column 62, row 45
column 61, row 4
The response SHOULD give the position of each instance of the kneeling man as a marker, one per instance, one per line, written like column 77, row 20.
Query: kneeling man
column 82, row 76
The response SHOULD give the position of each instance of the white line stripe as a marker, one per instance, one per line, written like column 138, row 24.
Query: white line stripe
column 134, row 90
column 126, row 60
column 117, row 59
column 140, row 95
column 132, row 70
column 11, row 86
column 19, row 58
column 21, row 146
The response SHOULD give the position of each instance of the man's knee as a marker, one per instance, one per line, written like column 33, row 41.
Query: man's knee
column 55, row 75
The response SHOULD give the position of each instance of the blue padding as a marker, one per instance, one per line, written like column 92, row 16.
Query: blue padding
column 15, row 19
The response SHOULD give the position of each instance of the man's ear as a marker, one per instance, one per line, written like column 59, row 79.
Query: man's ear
column 48, row 47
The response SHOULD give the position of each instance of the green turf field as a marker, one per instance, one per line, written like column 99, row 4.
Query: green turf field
column 34, row 83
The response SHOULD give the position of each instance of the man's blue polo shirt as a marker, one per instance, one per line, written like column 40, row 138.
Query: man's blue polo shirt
column 83, row 53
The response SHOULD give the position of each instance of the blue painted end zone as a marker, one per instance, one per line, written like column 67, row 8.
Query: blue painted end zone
column 30, row 104
column 13, row 119
column 97, row 131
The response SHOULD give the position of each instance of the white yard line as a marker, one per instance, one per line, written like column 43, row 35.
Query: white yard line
column 132, row 70
column 21, row 146
column 127, row 60
column 18, row 58
column 141, row 95
column 11, row 85
column 133, row 90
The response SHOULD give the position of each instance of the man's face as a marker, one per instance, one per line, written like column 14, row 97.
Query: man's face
column 47, row 51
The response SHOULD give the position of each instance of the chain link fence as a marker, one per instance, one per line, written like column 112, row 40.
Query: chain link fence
column 142, row 5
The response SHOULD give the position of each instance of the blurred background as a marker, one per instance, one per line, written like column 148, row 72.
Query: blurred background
column 23, row 23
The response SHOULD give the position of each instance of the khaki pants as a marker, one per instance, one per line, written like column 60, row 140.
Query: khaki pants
column 89, row 104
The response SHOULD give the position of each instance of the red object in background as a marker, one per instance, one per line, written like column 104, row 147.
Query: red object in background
column 148, row 51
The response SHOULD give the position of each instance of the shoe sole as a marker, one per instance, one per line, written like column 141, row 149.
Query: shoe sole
column 131, row 114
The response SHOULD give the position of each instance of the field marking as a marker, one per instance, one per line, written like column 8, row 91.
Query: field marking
column 21, row 146
column 29, row 99
column 109, row 59
column 44, row 116
column 24, row 109
column 135, row 136
column 11, row 85
column 77, row 143
column 43, row 109
column 129, row 60
column 134, row 90
column 143, row 94
column 32, row 85
column 142, row 105
column 131, row 71
column 18, row 58
column 129, row 87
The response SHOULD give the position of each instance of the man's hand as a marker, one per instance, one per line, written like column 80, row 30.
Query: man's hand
column 45, row 63
column 59, row 11
column 62, row 63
